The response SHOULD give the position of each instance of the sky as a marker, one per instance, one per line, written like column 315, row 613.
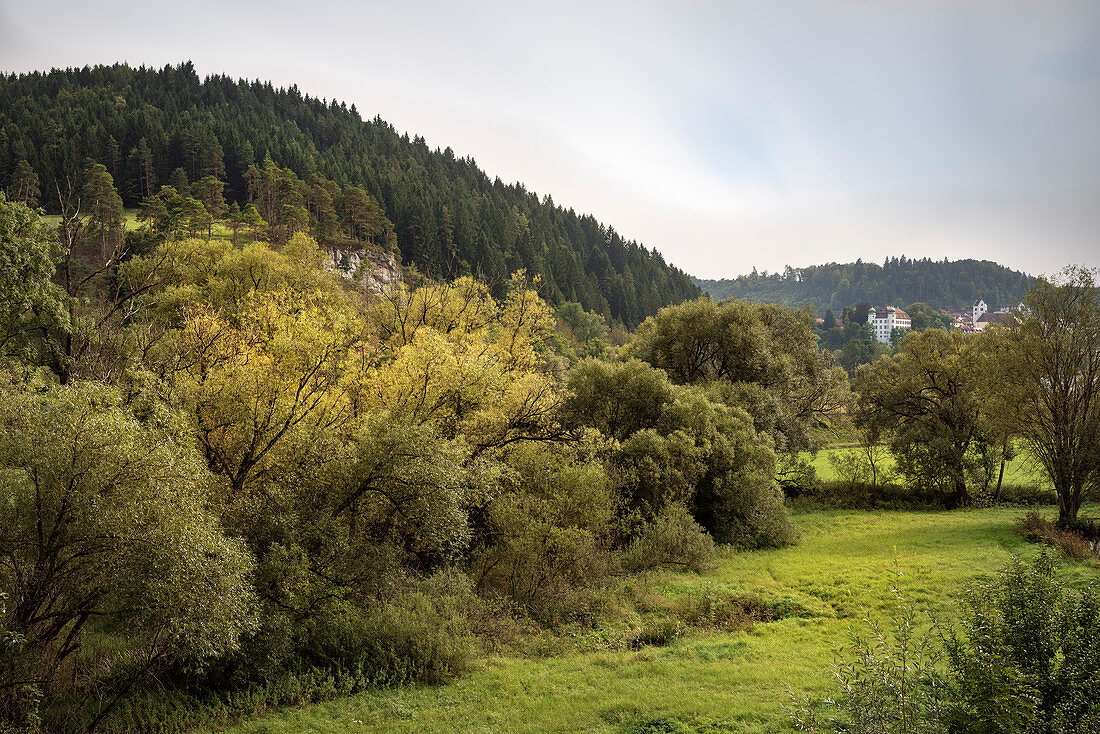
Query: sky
column 728, row 135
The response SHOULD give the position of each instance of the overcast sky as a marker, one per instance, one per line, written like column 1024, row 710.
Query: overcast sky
column 728, row 135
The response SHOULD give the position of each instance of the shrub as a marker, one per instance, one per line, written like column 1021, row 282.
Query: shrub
column 1024, row 660
column 890, row 685
column 549, row 531
column 748, row 512
column 1028, row 656
column 674, row 539
column 1038, row 529
column 422, row 636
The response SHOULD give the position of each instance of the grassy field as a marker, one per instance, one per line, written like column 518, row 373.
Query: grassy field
column 129, row 215
column 219, row 232
column 1020, row 471
column 710, row 681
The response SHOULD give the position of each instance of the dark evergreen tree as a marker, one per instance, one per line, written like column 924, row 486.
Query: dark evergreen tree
column 443, row 213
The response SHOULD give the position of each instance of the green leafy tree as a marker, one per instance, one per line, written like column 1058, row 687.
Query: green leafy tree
column 104, row 522
column 32, row 307
column 928, row 398
column 1052, row 382
column 676, row 446
column 761, row 358
column 859, row 348
column 923, row 316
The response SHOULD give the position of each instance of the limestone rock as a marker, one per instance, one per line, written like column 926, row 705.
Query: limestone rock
column 372, row 270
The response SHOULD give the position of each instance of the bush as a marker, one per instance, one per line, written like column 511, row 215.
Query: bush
column 1037, row 529
column 422, row 636
column 672, row 539
column 1027, row 495
column 1028, row 657
column 1024, row 660
column 549, row 532
column 748, row 512
column 546, row 569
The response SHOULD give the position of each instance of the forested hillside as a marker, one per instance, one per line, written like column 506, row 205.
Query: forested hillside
column 898, row 281
column 319, row 161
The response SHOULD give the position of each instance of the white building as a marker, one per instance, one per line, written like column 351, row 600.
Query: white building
column 885, row 321
column 977, row 310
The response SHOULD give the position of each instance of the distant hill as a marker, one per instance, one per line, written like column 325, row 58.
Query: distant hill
column 897, row 282
column 151, row 127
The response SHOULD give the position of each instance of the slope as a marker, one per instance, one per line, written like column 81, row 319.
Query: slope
column 152, row 126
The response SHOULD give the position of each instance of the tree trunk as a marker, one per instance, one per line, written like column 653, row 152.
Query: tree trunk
column 958, row 498
column 1000, row 478
column 1069, row 502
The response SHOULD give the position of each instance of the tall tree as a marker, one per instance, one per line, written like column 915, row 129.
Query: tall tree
column 24, row 185
column 928, row 399
column 1053, row 379
column 103, row 206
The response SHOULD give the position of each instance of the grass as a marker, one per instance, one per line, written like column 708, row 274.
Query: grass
column 1020, row 471
column 220, row 230
column 128, row 215
column 716, row 681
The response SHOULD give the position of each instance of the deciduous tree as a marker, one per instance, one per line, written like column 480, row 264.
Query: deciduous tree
column 1052, row 378
column 928, row 398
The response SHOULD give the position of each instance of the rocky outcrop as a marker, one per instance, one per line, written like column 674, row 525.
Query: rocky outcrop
column 372, row 270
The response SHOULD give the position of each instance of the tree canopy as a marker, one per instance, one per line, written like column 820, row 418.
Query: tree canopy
column 1052, row 377
column 897, row 282
column 306, row 163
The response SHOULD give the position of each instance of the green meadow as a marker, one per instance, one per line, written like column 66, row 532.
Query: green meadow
column 1021, row 471
column 713, row 680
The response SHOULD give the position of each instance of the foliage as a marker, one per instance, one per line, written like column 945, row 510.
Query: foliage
column 672, row 539
column 1051, row 379
column 676, row 446
column 922, row 316
column 319, row 168
column 853, row 346
column 928, row 400
column 763, row 359
column 105, row 523
column 1028, row 656
column 897, row 281
column 585, row 334
column 29, row 300
column 549, row 531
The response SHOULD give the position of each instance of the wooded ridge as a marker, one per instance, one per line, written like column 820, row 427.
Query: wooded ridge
column 151, row 127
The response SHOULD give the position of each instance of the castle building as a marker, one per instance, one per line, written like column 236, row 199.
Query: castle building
column 884, row 322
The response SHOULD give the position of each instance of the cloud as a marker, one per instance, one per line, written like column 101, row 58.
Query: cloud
column 728, row 134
